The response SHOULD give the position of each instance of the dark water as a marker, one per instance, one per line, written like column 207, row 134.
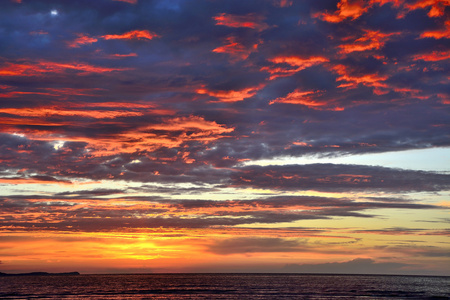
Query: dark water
column 225, row 286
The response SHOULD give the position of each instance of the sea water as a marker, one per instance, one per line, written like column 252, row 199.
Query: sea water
column 224, row 286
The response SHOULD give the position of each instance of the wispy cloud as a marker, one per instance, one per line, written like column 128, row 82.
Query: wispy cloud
column 251, row 21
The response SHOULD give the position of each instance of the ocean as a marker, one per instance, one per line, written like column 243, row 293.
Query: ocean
column 224, row 286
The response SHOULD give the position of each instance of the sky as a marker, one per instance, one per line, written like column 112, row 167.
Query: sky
column 144, row 136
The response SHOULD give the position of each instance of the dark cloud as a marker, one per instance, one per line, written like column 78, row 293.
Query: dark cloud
column 251, row 245
column 333, row 177
column 419, row 250
column 75, row 211
column 355, row 266
column 170, row 167
column 91, row 193
column 406, row 231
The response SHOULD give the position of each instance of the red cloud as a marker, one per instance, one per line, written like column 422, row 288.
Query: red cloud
column 353, row 9
column 395, row 3
column 295, row 63
column 353, row 80
column 41, row 67
column 231, row 96
column 283, row 3
column 135, row 34
column 58, row 111
column 307, row 98
column 81, row 40
column 235, row 48
column 170, row 133
column 445, row 99
column 248, row 21
column 32, row 180
column 438, row 34
column 102, row 110
column 347, row 9
column 437, row 7
column 433, row 56
column 54, row 92
column 300, row 97
column 84, row 39
column 192, row 123
column 122, row 55
column 369, row 41
column 12, row 94
column 150, row 109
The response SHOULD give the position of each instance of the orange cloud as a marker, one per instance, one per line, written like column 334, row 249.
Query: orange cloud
column 135, row 34
column 53, row 92
column 236, row 49
column 192, row 123
column 81, row 40
column 300, row 97
column 438, row 34
column 295, row 63
column 41, row 67
column 306, row 98
column 395, row 3
column 58, row 111
column 437, row 7
column 170, row 133
column 99, row 113
column 103, row 110
column 302, row 144
column 298, row 61
column 231, row 96
column 14, row 94
column 347, row 9
column 150, row 107
column 353, row 9
column 433, row 56
column 9, row 122
column 353, row 80
column 123, row 55
column 252, row 21
column 131, row 35
column 33, row 180
column 369, row 41
column 407, row 91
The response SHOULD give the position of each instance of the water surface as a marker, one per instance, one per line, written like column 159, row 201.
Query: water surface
column 225, row 286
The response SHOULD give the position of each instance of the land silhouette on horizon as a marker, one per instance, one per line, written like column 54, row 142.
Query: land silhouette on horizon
column 38, row 274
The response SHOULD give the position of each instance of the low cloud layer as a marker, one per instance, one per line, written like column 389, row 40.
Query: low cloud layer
column 356, row 266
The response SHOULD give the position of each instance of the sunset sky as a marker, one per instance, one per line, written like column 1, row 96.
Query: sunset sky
column 142, row 136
